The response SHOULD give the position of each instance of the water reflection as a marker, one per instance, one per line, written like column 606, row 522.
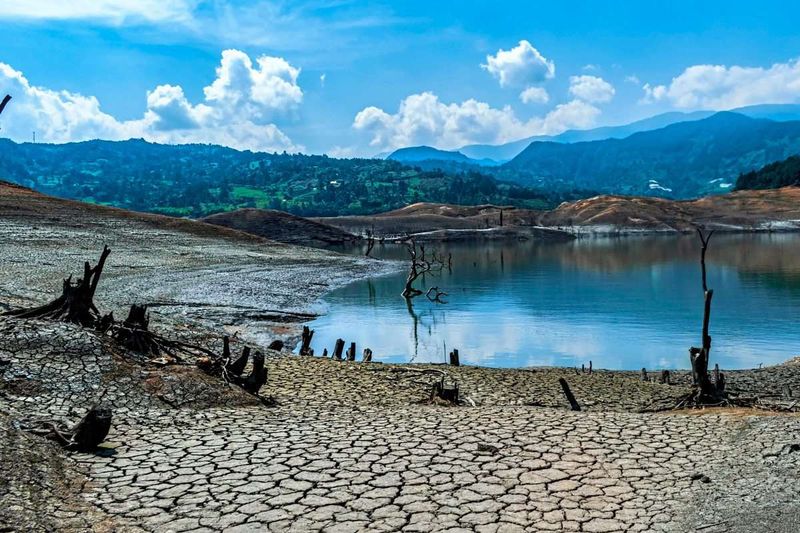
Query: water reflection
column 623, row 303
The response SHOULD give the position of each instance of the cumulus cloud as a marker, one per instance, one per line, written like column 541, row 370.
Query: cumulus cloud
column 722, row 87
column 591, row 89
column 113, row 11
column 238, row 110
column 534, row 95
column 521, row 66
column 424, row 119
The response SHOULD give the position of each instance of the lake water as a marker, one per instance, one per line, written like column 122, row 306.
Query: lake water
column 623, row 303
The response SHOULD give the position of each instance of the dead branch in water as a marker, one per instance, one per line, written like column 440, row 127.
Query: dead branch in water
column 420, row 265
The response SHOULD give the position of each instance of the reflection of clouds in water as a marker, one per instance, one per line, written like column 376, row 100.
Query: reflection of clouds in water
column 620, row 303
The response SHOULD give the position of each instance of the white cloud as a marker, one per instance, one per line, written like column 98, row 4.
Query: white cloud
column 113, row 11
column 534, row 95
column 722, row 87
column 238, row 109
column 591, row 89
column 521, row 66
column 424, row 119
column 634, row 79
column 322, row 78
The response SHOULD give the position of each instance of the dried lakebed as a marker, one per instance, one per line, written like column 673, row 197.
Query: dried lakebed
column 348, row 446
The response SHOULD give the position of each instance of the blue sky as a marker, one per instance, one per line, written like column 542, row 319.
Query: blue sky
column 357, row 78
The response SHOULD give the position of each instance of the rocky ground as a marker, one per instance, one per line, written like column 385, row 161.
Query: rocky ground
column 348, row 446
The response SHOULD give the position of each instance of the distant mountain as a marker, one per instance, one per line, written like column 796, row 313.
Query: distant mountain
column 773, row 176
column 200, row 180
column 420, row 154
column 682, row 160
column 506, row 152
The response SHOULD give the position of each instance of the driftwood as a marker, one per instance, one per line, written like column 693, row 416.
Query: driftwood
column 76, row 303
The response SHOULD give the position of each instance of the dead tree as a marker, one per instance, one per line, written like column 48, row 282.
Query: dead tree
column 420, row 265
column 370, row 241
column 706, row 391
column 76, row 303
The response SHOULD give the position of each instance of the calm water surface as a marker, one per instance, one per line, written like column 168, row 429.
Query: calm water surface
column 623, row 303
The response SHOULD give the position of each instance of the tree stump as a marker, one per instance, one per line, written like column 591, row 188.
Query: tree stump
column 134, row 333
column 305, row 346
column 351, row 352
column 441, row 391
column 337, row 349
column 367, row 355
column 665, row 378
column 87, row 434
column 76, row 303
column 258, row 375
column 568, row 393
column 237, row 366
column 454, row 358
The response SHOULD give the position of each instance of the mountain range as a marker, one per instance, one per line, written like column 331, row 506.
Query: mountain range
column 491, row 155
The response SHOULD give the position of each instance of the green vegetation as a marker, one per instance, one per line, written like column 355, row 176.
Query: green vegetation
column 683, row 160
column 775, row 175
column 199, row 180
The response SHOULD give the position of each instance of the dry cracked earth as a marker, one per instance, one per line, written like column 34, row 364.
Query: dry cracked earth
column 348, row 446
